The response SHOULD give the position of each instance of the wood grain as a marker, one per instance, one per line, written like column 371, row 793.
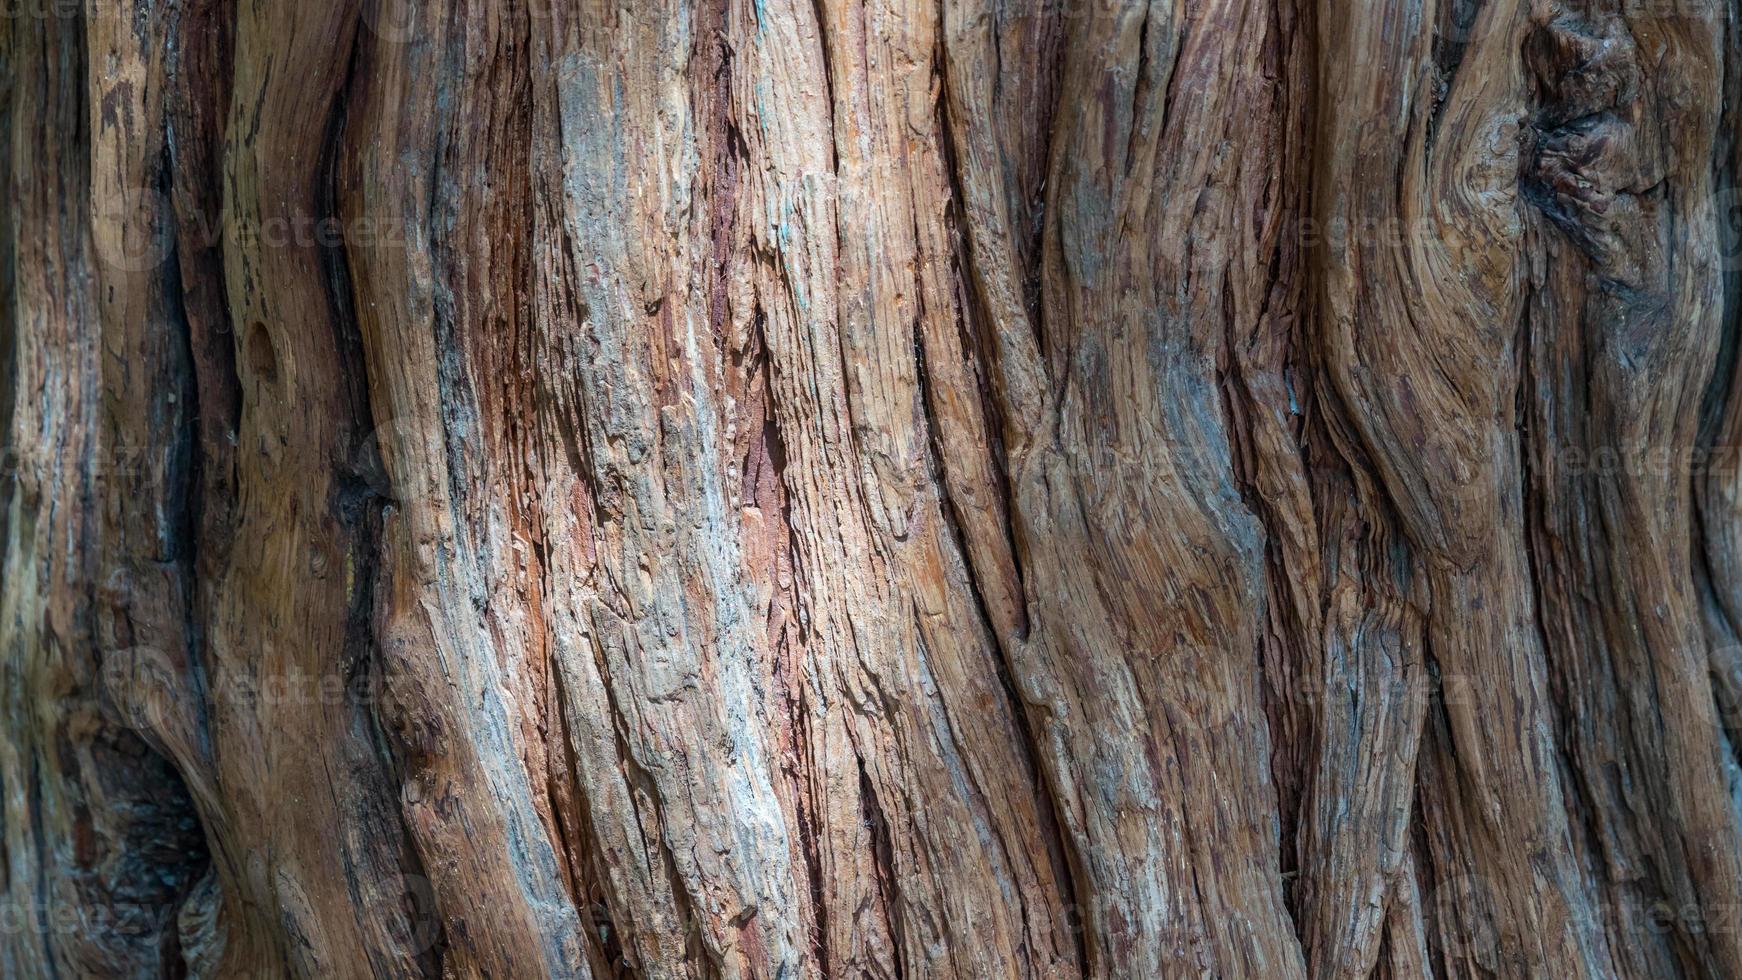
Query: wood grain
column 869, row 488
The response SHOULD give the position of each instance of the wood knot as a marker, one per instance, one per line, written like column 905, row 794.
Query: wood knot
column 262, row 355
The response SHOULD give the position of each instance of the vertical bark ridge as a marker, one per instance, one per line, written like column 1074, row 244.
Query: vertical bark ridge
column 286, row 885
column 906, row 679
column 1434, row 262
column 44, row 544
column 147, row 451
column 661, row 596
column 461, row 672
column 97, row 827
column 1358, row 905
column 1089, row 450
column 1266, row 390
column 1627, row 317
column 1715, row 466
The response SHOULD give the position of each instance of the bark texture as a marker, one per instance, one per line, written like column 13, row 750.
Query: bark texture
column 871, row 489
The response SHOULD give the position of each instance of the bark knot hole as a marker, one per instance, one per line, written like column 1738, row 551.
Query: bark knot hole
column 262, row 355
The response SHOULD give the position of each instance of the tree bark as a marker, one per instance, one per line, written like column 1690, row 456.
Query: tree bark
column 853, row 488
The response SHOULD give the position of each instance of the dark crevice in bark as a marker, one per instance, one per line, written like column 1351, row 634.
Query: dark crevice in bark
column 347, row 334
column 183, row 486
column 45, row 905
column 559, row 785
column 5, row 847
column 952, row 518
column 1046, row 61
column 1533, row 523
column 1028, row 213
column 1453, row 33
column 198, row 106
column 9, row 319
column 819, row 11
column 1716, row 454
column 883, row 853
column 753, row 360
column 644, row 788
column 181, row 477
column 975, row 326
column 1017, row 711
column 799, row 708
column 9, row 329
column 359, row 501
column 441, row 212
column 1230, row 383
column 589, row 867
column 1724, row 382
column 184, row 482
column 138, row 843
column 1427, row 883
column 210, row 389
column 1541, row 542
column 808, row 826
column 1142, row 83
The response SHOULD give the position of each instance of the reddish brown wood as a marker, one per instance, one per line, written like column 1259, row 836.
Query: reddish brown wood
column 855, row 488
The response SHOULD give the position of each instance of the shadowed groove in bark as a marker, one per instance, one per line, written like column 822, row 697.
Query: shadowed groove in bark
column 9, row 306
column 361, row 495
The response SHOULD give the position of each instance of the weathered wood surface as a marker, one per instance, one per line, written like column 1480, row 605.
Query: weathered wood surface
column 854, row 488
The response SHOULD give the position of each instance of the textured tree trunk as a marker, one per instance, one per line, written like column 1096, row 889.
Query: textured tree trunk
column 860, row 488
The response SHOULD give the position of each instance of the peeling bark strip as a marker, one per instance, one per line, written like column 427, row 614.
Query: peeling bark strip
column 849, row 488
